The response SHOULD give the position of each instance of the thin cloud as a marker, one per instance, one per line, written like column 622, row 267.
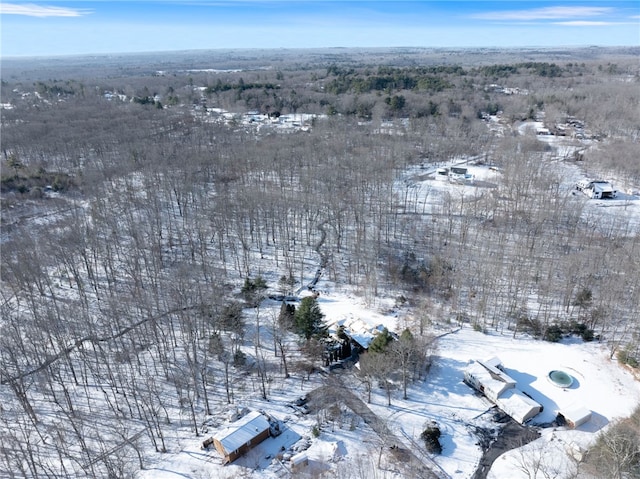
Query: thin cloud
column 585, row 23
column 32, row 10
column 546, row 13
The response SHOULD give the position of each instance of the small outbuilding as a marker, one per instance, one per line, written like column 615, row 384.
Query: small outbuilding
column 240, row 436
column 518, row 405
column 299, row 461
column 575, row 416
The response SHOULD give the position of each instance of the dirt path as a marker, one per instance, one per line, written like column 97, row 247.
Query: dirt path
column 412, row 466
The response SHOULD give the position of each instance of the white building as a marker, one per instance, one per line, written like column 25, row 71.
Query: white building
column 575, row 416
column 518, row 405
column 597, row 189
column 489, row 378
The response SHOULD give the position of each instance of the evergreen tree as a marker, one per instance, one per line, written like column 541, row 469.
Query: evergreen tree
column 380, row 342
column 253, row 290
column 308, row 319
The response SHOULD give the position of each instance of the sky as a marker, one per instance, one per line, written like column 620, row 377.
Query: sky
column 53, row 28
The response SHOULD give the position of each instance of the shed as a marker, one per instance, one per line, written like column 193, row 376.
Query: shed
column 575, row 416
column 240, row 436
column 518, row 405
column 299, row 461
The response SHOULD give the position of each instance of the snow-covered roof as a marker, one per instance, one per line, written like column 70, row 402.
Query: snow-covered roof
column 493, row 365
column 242, row 431
column 517, row 405
column 492, row 387
column 576, row 415
column 603, row 186
column 299, row 459
column 501, row 389
column 493, row 362
column 357, row 329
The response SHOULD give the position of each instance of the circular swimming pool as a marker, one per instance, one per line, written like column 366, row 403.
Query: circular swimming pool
column 560, row 378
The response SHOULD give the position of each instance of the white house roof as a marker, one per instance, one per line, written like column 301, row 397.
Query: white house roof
column 493, row 365
column 492, row 387
column 577, row 415
column 517, row 405
column 358, row 330
column 603, row 186
column 242, row 431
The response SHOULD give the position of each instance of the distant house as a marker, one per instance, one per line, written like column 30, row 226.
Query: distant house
column 240, row 436
column 458, row 174
column 597, row 189
column 488, row 378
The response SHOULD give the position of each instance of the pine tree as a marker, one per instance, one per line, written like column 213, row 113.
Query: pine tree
column 380, row 342
column 308, row 319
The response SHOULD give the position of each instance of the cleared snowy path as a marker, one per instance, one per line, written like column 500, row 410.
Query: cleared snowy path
column 413, row 466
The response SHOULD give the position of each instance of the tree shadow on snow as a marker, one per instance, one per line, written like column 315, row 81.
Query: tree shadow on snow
column 446, row 379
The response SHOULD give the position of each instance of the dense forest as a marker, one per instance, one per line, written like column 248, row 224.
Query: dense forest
column 148, row 202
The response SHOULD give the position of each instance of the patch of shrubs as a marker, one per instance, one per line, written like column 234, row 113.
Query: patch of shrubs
column 555, row 332
column 431, row 438
column 239, row 359
column 582, row 330
column 26, row 181
column 625, row 357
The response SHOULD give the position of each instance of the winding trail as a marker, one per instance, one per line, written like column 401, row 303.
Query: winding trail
column 412, row 465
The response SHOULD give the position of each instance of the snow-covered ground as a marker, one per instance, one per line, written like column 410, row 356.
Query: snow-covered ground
column 347, row 447
column 350, row 448
column 600, row 385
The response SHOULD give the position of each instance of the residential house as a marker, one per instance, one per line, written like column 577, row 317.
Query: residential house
column 239, row 437
column 488, row 378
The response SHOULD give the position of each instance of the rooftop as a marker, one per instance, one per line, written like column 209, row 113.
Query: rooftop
column 242, row 431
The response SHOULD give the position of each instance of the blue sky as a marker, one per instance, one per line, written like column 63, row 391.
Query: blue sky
column 48, row 28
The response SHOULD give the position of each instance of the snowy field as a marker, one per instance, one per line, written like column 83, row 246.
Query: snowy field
column 600, row 385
